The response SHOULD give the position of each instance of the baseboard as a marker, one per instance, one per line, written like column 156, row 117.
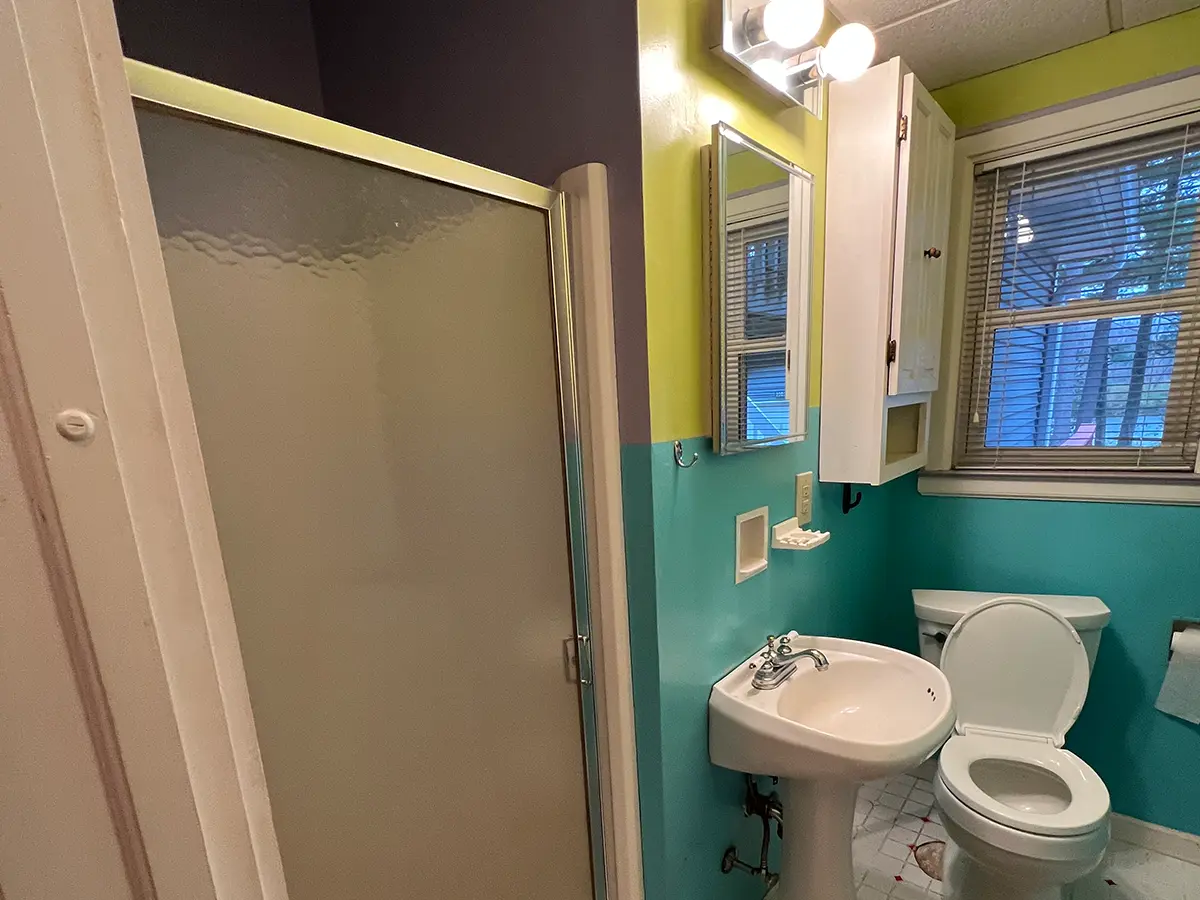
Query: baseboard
column 1166, row 841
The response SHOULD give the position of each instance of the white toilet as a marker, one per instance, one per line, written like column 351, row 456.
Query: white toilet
column 1024, row 816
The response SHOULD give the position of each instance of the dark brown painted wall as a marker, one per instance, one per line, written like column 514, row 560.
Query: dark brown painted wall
column 260, row 47
column 527, row 87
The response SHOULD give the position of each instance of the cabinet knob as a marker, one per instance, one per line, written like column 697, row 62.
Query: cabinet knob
column 933, row 253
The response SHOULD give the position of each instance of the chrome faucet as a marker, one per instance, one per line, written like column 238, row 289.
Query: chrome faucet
column 779, row 662
column 816, row 656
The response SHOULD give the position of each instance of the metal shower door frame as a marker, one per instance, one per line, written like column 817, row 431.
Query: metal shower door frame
column 179, row 94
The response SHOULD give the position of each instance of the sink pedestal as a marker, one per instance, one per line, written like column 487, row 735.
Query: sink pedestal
column 872, row 711
column 818, row 825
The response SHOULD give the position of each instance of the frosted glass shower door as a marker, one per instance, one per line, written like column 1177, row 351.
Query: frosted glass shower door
column 371, row 358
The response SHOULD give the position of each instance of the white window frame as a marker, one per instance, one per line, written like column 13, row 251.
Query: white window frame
column 1086, row 124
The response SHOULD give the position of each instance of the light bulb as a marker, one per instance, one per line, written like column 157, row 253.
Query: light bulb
column 792, row 23
column 772, row 71
column 849, row 52
column 1024, row 230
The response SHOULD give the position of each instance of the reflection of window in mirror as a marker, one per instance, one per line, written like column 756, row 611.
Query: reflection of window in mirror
column 762, row 235
column 756, row 253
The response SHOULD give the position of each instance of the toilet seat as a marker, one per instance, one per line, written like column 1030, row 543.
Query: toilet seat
column 1019, row 673
column 1022, row 769
column 1010, row 849
column 1016, row 667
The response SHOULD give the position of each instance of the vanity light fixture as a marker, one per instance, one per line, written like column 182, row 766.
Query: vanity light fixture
column 775, row 43
column 848, row 54
column 790, row 23
column 772, row 71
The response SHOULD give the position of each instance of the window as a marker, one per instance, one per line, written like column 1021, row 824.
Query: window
column 1081, row 325
column 757, row 262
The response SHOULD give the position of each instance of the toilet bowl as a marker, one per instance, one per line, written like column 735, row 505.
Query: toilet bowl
column 1024, row 817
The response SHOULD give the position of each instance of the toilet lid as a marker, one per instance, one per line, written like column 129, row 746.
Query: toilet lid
column 1017, row 668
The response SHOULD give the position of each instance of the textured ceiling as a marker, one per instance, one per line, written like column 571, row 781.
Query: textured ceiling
column 948, row 40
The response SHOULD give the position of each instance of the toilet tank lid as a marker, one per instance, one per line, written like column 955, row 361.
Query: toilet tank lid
column 947, row 607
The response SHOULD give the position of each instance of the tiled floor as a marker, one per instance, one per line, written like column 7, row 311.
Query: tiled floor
column 896, row 815
column 893, row 817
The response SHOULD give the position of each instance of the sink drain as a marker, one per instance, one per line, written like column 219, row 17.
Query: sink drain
column 929, row 858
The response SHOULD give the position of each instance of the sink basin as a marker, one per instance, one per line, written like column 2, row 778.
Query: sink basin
column 873, row 712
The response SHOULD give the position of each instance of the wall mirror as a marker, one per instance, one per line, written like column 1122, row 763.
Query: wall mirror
column 760, row 282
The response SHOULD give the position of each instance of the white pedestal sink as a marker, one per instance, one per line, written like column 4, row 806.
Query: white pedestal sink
column 873, row 712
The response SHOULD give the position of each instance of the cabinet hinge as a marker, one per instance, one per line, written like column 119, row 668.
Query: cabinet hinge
column 891, row 351
column 903, row 129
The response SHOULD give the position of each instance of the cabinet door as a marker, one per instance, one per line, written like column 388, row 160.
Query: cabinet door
column 922, row 223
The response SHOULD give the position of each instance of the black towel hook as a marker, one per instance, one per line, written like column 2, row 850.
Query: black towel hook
column 847, row 503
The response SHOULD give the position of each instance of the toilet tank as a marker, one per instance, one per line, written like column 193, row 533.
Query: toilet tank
column 938, row 611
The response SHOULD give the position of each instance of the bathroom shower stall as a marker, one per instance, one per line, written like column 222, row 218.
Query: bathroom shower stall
column 372, row 363
column 382, row 366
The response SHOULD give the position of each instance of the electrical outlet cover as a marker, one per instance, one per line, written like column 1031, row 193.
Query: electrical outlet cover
column 804, row 498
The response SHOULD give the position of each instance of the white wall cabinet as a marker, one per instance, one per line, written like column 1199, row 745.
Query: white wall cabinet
column 891, row 152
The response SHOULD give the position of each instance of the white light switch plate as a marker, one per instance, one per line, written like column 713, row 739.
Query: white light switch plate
column 804, row 497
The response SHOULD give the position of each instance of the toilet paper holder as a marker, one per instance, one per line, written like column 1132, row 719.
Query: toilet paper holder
column 1178, row 627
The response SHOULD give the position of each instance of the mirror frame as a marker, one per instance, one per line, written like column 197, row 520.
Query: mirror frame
column 800, row 283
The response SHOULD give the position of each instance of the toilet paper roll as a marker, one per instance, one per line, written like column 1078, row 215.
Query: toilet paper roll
column 1180, row 694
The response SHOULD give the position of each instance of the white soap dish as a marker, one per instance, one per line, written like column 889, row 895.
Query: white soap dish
column 788, row 535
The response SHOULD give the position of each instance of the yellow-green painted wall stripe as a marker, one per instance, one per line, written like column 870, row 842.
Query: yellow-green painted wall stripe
column 1123, row 58
column 685, row 89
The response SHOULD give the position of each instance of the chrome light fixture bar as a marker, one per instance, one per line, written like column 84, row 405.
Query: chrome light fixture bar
column 775, row 43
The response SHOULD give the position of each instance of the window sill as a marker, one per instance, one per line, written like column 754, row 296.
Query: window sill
column 1182, row 490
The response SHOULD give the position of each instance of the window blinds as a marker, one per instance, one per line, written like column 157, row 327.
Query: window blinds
column 756, row 307
column 1081, row 333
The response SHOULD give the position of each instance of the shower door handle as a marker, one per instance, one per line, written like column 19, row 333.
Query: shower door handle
column 577, row 659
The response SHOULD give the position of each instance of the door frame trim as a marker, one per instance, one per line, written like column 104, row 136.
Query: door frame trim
column 589, row 251
column 92, row 327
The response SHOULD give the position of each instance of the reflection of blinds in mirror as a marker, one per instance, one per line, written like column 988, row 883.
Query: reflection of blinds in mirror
column 756, row 299
column 1081, row 334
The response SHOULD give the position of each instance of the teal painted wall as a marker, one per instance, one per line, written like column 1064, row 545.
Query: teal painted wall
column 1143, row 561
column 637, row 498
column 703, row 625
column 691, row 624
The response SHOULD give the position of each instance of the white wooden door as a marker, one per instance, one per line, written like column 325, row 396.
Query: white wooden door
column 922, row 226
column 152, row 769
